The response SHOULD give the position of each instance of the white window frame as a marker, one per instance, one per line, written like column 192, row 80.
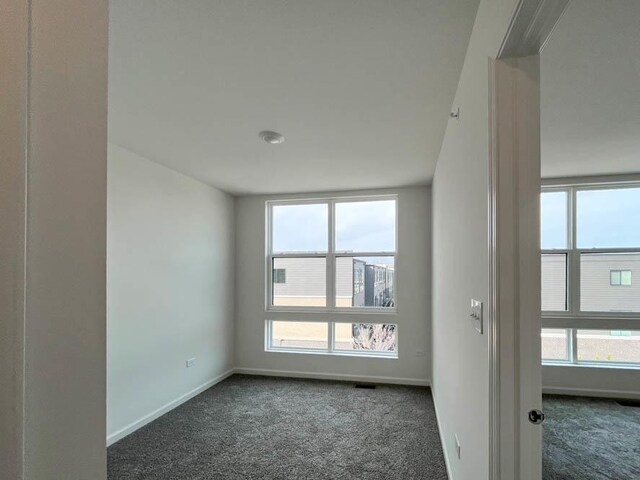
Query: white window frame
column 331, row 255
column 331, row 349
column 574, row 319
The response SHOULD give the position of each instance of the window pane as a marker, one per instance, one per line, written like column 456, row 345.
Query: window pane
column 554, row 282
column 601, row 287
column 307, row 335
column 609, row 346
column 554, row 344
column 304, row 282
column 366, row 226
column 615, row 277
column 366, row 337
column 365, row 282
column 608, row 218
column 300, row 228
column 553, row 224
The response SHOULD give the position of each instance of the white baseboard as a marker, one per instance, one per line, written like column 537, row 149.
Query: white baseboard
column 132, row 427
column 442, row 442
column 333, row 376
column 592, row 392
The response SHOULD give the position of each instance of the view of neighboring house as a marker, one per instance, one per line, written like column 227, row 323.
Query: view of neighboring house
column 609, row 282
column 360, row 282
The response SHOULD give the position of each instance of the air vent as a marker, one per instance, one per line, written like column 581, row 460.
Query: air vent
column 369, row 386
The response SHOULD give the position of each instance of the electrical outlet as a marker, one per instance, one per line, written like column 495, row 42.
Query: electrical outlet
column 457, row 447
column 420, row 353
column 191, row 362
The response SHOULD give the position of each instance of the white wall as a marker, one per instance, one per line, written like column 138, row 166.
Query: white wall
column 460, row 262
column 53, row 120
column 14, row 38
column 413, row 297
column 591, row 381
column 170, row 280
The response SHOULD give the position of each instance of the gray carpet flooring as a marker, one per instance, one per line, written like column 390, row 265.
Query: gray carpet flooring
column 267, row 428
column 590, row 439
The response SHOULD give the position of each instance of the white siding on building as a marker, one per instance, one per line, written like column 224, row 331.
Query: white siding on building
column 596, row 292
column 554, row 282
column 305, row 282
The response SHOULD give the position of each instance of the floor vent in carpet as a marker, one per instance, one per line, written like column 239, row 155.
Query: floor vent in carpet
column 629, row 403
column 365, row 385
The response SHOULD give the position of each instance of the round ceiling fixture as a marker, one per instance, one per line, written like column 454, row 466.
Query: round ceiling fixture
column 274, row 138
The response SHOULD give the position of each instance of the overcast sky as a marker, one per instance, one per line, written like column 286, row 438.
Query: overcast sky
column 605, row 218
column 360, row 227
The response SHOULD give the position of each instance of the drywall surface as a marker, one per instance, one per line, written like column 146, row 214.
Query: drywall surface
column 170, row 281
column 460, row 255
column 14, row 39
column 413, row 298
column 591, row 381
column 63, row 278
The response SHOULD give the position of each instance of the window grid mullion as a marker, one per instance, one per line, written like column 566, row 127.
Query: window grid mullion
column 330, row 337
column 574, row 259
column 331, row 258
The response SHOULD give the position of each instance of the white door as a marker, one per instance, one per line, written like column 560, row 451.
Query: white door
column 515, row 215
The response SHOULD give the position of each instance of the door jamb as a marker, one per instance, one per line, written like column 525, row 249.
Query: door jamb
column 529, row 29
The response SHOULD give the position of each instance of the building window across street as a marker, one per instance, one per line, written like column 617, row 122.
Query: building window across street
column 620, row 278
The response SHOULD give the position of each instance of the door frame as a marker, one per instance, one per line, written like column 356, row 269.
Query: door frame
column 515, row 383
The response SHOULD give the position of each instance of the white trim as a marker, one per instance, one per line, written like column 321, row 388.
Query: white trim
column 141, row 422
column 592, row 392
column 422, row 382
column 516, row 454
column 333, row 353
column 531, row 26
column 493, row 332
column 443, row 444
column 630, row 178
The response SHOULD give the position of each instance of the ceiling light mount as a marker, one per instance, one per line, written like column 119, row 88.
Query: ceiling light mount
column 273, row 138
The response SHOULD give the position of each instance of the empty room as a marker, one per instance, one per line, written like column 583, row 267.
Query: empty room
column 340, row 239
column 590, row 212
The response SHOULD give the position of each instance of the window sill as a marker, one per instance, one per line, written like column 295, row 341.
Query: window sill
column 611, row 366
column 384, row 356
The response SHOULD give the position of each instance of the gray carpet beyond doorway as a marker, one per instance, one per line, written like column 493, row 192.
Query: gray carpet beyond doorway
column 590, row 439
column 269, row 428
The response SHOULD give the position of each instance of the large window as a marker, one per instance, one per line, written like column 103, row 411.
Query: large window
column 590, row 238
column 331, row 269
column 333, row 254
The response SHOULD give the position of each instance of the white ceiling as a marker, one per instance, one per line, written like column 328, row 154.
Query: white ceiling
column 590, row 88
column 361, row 89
